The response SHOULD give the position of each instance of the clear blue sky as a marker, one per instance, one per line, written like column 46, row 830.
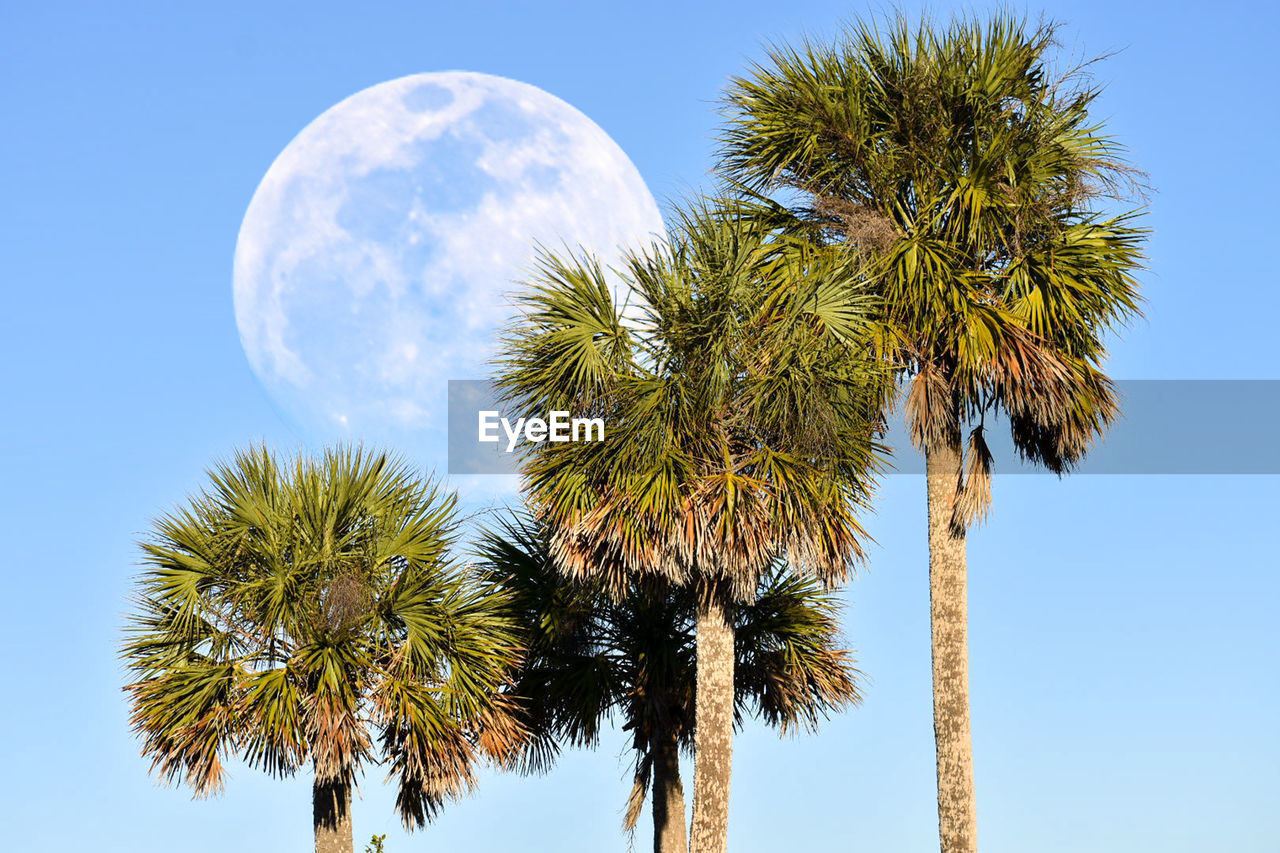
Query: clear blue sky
column 1124, row 640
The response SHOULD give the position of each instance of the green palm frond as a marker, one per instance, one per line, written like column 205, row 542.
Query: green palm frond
column 791, row 668
column 741, row 406
column 308, row 610
column 968, row 176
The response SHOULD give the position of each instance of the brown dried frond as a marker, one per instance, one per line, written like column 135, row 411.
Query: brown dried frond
column 1056, row 424
column 639, row 789
column 500, row 732
column 189, row 754
column 615, row 541
column 338, row 739
column 1022, row 370
column 828, row 547
column 931, row 410
column 432, row 772
column 973, row 498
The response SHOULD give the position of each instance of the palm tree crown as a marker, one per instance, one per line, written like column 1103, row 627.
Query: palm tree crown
column 968, row 170
column 740, row 405
column 308, row 610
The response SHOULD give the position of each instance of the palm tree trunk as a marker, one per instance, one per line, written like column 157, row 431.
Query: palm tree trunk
column 948, row 613
column 713, row 735
column 668, row 798
column 331, row 816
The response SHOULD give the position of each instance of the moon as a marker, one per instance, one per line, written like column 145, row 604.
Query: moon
column 376, row 257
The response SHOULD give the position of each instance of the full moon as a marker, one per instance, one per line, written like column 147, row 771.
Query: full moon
column 376, row 257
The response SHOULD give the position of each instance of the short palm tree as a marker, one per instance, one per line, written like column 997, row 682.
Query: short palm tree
column 739, row 416
column 970, row 175
column 307, row 611
column 592, row 656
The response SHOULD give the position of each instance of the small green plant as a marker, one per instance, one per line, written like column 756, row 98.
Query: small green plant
column 375, row 844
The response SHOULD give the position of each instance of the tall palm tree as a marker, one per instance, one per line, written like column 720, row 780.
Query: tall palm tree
column 307, row 611
column 592, row 656
column 739, row 414
column 972, row 178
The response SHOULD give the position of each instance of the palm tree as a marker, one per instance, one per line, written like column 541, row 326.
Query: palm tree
column 971, row 177
column 592, row 655
column 307, row 611
column 739, row 414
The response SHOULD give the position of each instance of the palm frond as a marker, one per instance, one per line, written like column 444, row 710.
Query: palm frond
column 965, row 174
column 308, row 610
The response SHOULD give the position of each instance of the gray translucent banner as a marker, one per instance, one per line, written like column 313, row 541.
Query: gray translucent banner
column 1166, row 426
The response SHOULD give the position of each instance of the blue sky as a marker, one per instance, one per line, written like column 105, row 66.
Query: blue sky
column 1123, row 631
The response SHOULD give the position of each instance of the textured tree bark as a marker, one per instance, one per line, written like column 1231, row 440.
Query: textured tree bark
column 668, row 799
column 331, row 817
column 948, row 613
column 713, row 735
